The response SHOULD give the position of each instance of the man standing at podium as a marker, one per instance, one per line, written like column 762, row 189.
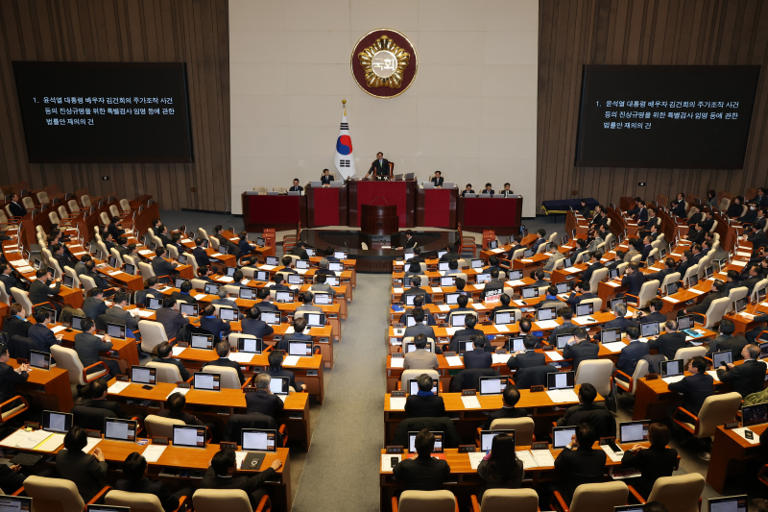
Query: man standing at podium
column 379, row 167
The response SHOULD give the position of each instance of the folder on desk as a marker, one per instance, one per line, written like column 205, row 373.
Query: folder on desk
column 118, row 387
column 615, row 346
column 543, row 458
column 397, row 403
column 470, row 402
column 475, row 458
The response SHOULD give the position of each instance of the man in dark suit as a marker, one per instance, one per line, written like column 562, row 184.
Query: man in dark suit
column 9, row 376
column 254, row 325
column 221, row 475
column 134, row 479
column 655, row 315
column 437, row 179
column 510, row 396
column 161, row 266
column 164, row 356
column 465, row 334
column 16, row 206
column 299, row 326
column 16, row 323
column 479, row 357
column 379, row 168
column 620, row 322
column 580, row 348
column 222, row 350
column 94, row 304
column 423, row 473
column 9, row 279
column 670, row 342
column 40, row 289
column 424, row 403
column 415, row 289
column 597, row 416
column 89, row 347
column 533, row 375
column 540, row 240
column 678, row 206
column 633, row 279
column 727, row 340
column 275, row 359
column 633, row 352
column 420, row 327
column 696, row 387
column 40, row 333
column 580, row 293
column 488, row 190
column 529, row 357
column 718, row 291
column 296, row 186
column 326, row 178
column 152, row 290
column 200, row 255
column 169, row 316
column 117, row 314
column 748, row 377
column 216, row 326
column 579, row 463
column 261, row 399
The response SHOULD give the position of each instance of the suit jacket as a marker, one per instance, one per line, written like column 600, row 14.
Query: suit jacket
column 668, row 344
column 655, row 317
column 597, row 416
column 417, row 329
column 652, row 463
column 172, row 321
column 15, row 325
column 10, row 281
column 162, row 267
column 115, row 315
column 145, row 485
column 422, row 474
column 142, row 296
column 41, row 292
column 505, row 412
column 284, row 344
column 89, row 348
column 745, row 378
column 380, row 168
column 533, row 375
column 282, row 372
column 420, row 360
column 215, row 326
column 630, row 355
column 633, row 282
column 177, row 363
column 576, row 467
column 579, row 352
column 263, row 402
column 438, row 182
column 477, row 359
column 695, row 389
column 619, row 323
column 587, row 274
column 201, row 257
column 84, row 470
column 258, row 328
column 417, row 406
column 247, row 483
column 8, row 380
column 224, row 361
column 42, row 337
column 527, row 359
column 17, row 209
column 462, row 335
column 733, row 343
column 678, row 208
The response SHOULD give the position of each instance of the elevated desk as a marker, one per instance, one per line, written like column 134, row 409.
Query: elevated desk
column 326, row 206
column 382, row 193
column 272, row 211
column 501, row 214
column 437, row 207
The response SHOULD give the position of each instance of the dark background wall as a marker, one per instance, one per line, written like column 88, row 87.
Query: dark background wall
column 577, row 32
column 192, row 31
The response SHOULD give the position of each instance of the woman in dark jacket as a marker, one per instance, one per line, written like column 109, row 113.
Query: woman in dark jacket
column 654, row 461
column 501, row 467
column 88, row 472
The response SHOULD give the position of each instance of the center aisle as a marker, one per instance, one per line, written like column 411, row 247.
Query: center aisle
column 341, row 468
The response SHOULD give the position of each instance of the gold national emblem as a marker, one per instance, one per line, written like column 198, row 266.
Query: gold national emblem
column 384, row 63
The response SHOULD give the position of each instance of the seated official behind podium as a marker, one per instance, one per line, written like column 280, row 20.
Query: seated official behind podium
column 467, row 190
column 424, row 404
column 507, row 190
column 296, row 187
column 380, row 168
column 424, row 472
column 326, row 178
column 437, row 179
column 488, row 190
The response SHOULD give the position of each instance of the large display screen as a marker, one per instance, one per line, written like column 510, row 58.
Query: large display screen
column 665, row 116
column 104, row 111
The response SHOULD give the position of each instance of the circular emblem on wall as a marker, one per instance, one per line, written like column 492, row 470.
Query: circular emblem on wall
column 384, row 63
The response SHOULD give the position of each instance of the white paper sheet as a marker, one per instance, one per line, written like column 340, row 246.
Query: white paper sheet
column 554, row 355
column 58, row 328
column 740, row 431
column 54, row 441
column 176, row 351
column 291, row 360
column 614, row 346
column 613, row 456
column 527, row 459
column 547, row 324
column 676, row 378
column 501, row 328
column 386, row 461
column 118, row 387
column 183, row 391
column 475, row 458
column 89, row 445
column 444, row 308
column 499, row 358
column 560, row 396
column 397, row 403
column 241, row 357
column 470, row 402
column 543, row 458
column 397, row 362
column 153, row 452
column 454, row 361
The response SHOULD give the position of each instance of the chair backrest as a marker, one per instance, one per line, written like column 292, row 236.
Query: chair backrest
column 688, row 353
column 737, row 293
column 413, row 375
column 104, row 218
column 138, row 501
column 118, row 257
column 647, row 292
column 166, row 372
column 523, row 428
column 202, row 233
column 125, row 205
column 427, row 501
column 62, row 211
column 518, row 253
column 717, row 410
column 146, row 270
column 504, row 500
column 599, row 497
column 152, row 334
column 759, row 286
column 693, row 270
column 101, row 250
column 87, row 281
column 73, row 206
column 160, row 426
column 597, row 372
column 672, row 277
column 28, row 202
column 4, row 297
column 22, row 297
column 472, row 313
column 54, row 217
column 716, row 310
column 192, row 261
column 42, row 197
column 71, row 273
column 598, row 275
column 53, row 494
column 641, row 370
column 597, row 301
column 229, row 377
column 680, row 493
column 114, row 211
column 216, row 500
column 85, row 200
column 173, row 252
column 68, row 359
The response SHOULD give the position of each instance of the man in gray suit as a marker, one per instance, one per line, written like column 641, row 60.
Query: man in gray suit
column 421, row 358
column 306, row 304
column 89, row 347
column 420, row 327
column 118, row 315
column 320, row 285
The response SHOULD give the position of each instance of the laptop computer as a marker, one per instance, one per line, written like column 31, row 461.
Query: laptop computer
column 560, row 380
column 120, row 429
column 672, row 288
column 315, row 319
column 413, row 387
column 504, row 317
column 483, row 278
column 189, row 435
column 188, row 309
column 295, row 279
column 250, row 344
column 515, row 275
column 18, row 504
column 116, row 330
column 671, row 369
column 272, row 260
column 737, row 503
column 283, row 296
column 129, row 268
column 246, row 293
column 211, row 288
column 458, row 320
column 340, row 255
column 322, row 298
column 443, row 266
column 257, row 440
column 649, row 329
column 530, row 292
column 231, row 271
column 334, row 266
column 410, row 347
column 300, row 348
column 492, row 385
column 144, row 375
column 610, row 335
column 563, row 287
column 77, row 322
column 67, row 281
column 452, row 298
column 261, row 275
column 562, row 436
column 740, row 305
column 271, row 317
column 476, row 263
column 439, row 434
column 720, row 358
column 301, row 264
column 585, row 309
column 633, row 431
column 684, row 322
column 207, row 381
column 54, row 421
column 486, row 438
column 447, row 281
column 561, row 340
column 279, row 385
column 153, row 303
column 39, row 359
column 201, row 341
column 545, row 314
column 229, row 314
column 515, row 344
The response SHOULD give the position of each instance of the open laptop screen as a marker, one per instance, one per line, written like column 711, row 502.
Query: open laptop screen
column 256, row 439
column 189, row 435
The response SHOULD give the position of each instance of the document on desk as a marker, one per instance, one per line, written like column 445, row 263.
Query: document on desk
column 216, row 255
column 291, row 360
column 397, row 403
column 25, row 440
column 444, row 308
column 671, row 299
column 572, row 270
column 478, row 306
column 526, row 260
column 226, row 279
column 397, row 362
column 497, row 250
column 713, row 374
column 386, row 461
column 543, row 458
column 475, row 458
column 676, row 378
column 696, row 291
column 118, row 387
column 146, row 252
column 515, row 282
column 499, row 358
column 560, row 396
column 58, row 328
column 144, row 313
column 740, row 432
column 397, row 290
column 453, row 361
column 471, row 402
column 554, row 355
column 614, row 456
column 614, row 346
column 267, row 267
column 53, row 442
column 437, row 289
column 199, row 296
column 177, row 350
column 527, row 458
column 584, row 320
column 89, row 445
column 501, row 328
column 182, row 391
column 450, row 331
column 547, row 324
column 241, row 357
column 114, row 273
column 301, row 271
column 613, row 284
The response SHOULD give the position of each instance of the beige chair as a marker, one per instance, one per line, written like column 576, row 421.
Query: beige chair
column 160, row 426
column 628, row 383
column 68, row 359
column 104, row 218
column 518, row 253
column 647, row 292
column 235, row 336
column 4, row 297
column 716, row 311
column 599, row 497
column 672, row 277
column 54, row 218
column 114, row 211
column 74, row 208
column 759, row 288
column 716, row 410
column 597, row 372
column 597, row 301
column 680, row 493
column 166, row 372
column 688, row 353
column 87, row 281
column 425, row 501
column 101, row 250
column 693, row 270
column 198, row 284
column 173, row 252
column 202, row 233
column 146, row 270
column 28, row 202
column 231, row 500
column 582, row 257
column 505, row 500
column 118, row 257
column 55, row 494
column 42, row 198
column 138, row 501
column 22, row 297
column 414, row 375
column 523, row 428
column 71, row 273
column 85, row 200
column 471, row 313
column 152, row 334
column 248, row 272
column 737, row 293
column 621, row 268
column 598, row 275
column 229, row 377
column 125, row 206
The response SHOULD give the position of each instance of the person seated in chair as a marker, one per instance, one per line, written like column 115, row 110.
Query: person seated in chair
column 254, row 325
column 670, row 342
column 275, row 359
column 696, row 387
column 40, row 333
column 90, row 348
column 41, row 290
column 214, row 325
column 161, row 266
column 510, row 396
column 421, row 358
column 501, row 469
column 528, row 357
column 655, row 315
column 164, row 356
column 424, row 472
column 222, row 350
column 134, row 479
column 632, row 352
column 746, row 378
column 580, row 348
column 221, row 475
column 10, row 377
column 465, row 334
column 479, row 357
column 424, row 403
column 579, row 463
column 488, row 190
column 299, row 326
column 87, row 471
column 94, row 394
column 597, row 416
column 174, row 409
column 727, row 340
column 653, row 461
column 420, row 327
column 262, row 399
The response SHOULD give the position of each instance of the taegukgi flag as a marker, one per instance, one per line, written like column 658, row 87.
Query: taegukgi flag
column 344, row 161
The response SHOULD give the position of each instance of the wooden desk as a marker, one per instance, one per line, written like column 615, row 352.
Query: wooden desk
column 126, row 348
column 728, row 449
column 49, row 388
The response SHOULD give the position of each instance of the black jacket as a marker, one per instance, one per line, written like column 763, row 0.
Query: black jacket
column 419, row 474
column 745, row 378
column 247, row 483
column 89, row 348
column 8, row 381
column 263, row 402
column 652, row 463
column 145, row 485
column 172, row 321
column 579, row 352
column 14, row 325
column 424, row 406
column 597, row 416
column 258, row 328
column 41, row 292
column 495, row 480
column 668, row 344
column 84, row 470
column 576, row 467
column 695, row 389
column 477, row 359
column 526, row 360
column 733, row 343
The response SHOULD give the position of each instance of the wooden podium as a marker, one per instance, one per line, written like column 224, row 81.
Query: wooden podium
column 379, row 220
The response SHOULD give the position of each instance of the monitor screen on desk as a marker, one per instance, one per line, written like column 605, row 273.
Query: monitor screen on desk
column 116, row 331
column 67, row 281
column 409, row 320
column 438, row 441
column 671, row 368
column 228, row 314
column 447, row 281
column 410, row 347
column 723, row 357
column 693, row 281
column 250, row 344
column 271, row 317
column 300, row 348
column 143, row 375
column 154, row 303
column 246, row 293
column 458, row 320
column 633, row 431
column 279, row 385
column 585, row 309
column 545, row 314
column 649, row 329
column 54, row 421
column 483, row 278
column 443, row 266
column 486, row 438
column 295, row 279
column 261, row 275
column 332, row 280
column 323, row 299
column 340, row 255
column 610, row 335
column 17, row 504
column 182, row 259
column 413, row 386
column 492, row 385
column 301, row 264
column 188, row 309
column 189, row 435
column 672, row 288
column 740, row 305
column 515, row 344
column 504, row 317
column 452, row 298
column 561, row 340
column 259, row 440
column 211, row 288
column 315, row 319
column 685, row 322
column 515, row 275
column 283, row 296
column 477, row 263
column 120, row 429
column 207, row 381
column 231, row 271
column 201, row 341
column 39, row 359
column 562, row 436
column 728, row 504
column 77, row 322
column 335, row 266
column 530, row 292
column 560, row 380
column 272, row 260
column 563, row 287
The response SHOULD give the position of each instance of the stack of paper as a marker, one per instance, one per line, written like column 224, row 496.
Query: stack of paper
column 572, row 270
column 444, row 308
column 501, row 328
column 25, row 440
column 527, row 458
column 560, row 396
column 470, row 402
column 515, row 282
column 740, row 431
column 499, row 358
column 676, row 378
column 547, row 324
column 199, row 296
column 54, row 441
column 216, row 255
column 437, row 289
column 615, row 346
column 584, row 320
column 450, row 331
column 397, row 290
column 475, row 458
column 713, row 374
column 267, row 267
column 291, row 361
column 397, row 362
column 453, row 361
column 543, row 458
column 58, row 328
column 226, row 279
column 397, row 403
column 118, row 387
column 478, row 306
column 144, row 313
